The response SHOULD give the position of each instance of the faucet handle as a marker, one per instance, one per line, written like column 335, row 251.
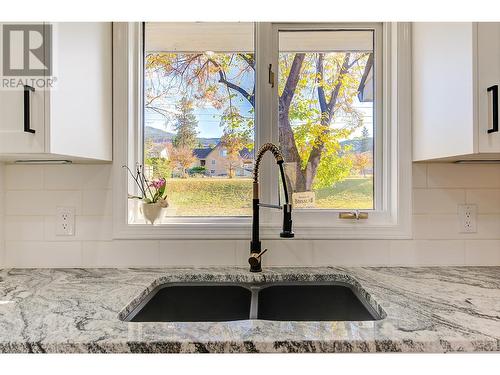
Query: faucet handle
column 261, row 253
column 254, row 259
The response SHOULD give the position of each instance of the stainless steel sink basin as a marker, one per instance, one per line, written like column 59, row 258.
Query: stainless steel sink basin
column 211, row 302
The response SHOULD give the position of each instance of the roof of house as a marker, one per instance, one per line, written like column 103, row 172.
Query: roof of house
column 247, row 154
column 202, row 153
column 364, row 79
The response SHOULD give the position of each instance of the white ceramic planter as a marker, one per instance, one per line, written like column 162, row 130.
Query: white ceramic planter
column 153, row 211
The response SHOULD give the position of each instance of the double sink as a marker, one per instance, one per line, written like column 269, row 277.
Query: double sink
column 278, row 301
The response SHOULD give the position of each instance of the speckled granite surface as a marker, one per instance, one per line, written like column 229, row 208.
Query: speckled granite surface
column 438, row 309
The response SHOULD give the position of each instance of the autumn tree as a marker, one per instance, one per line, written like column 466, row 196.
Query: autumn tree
column 185, row 125
column 362, row 161
column 182, row 157
column 233, row 143
column 314, row 89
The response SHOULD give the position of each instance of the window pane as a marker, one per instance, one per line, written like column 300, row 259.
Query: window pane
column 326, row 117
column 199, row 85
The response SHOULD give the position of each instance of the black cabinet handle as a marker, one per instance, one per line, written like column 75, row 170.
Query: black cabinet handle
column 27, row 108
column 494, row 88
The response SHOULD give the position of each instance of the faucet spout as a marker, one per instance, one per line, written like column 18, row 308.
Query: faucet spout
column 287, row 232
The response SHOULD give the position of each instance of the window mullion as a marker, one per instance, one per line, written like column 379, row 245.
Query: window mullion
column 266, row 104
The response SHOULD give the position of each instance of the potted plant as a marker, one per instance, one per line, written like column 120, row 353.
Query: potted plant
column 154, row 196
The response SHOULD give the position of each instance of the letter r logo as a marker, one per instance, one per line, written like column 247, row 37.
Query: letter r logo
column 27, row 50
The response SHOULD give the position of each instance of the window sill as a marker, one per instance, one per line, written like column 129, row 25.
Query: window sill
column 240, row 229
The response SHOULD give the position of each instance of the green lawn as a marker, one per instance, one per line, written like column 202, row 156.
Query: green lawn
column 353, row 192
column 221, row 197
column 210, row 196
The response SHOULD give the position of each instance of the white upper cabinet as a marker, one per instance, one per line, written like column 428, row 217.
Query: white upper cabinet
column 72, row 120
column 455, row 80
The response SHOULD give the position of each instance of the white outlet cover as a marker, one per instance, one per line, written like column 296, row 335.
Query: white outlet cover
column 467, row 214
column 65, row 221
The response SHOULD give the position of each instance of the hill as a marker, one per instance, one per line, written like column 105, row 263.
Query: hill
column 161, row 136
column 358, row 145
column 157, row 135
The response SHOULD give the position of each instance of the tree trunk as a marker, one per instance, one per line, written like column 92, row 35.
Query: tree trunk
column 286, row 136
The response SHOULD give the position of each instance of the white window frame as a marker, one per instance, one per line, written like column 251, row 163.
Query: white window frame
column 391, row 218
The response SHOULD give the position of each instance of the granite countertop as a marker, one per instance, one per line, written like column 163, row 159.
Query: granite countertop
column 432, row 309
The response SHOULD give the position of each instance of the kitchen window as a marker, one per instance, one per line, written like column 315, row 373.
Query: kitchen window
column 330, row 95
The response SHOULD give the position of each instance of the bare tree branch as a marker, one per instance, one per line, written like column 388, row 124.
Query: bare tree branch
column 319, row 80
column 223, row 80
column 249, row 59
column 292, row 80
column 335, row 93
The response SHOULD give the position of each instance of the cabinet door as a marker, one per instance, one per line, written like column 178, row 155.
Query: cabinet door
column 13, row 105
column 13, row 137
column 442, row 89
column 488, row 42
column 81, row 105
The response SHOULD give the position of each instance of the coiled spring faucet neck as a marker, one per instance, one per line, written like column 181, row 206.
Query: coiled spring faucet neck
column 266, row 147
column 255, row 244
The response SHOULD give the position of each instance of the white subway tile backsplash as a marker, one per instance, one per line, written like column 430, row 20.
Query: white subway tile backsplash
column 32, row 193
column 41, row 203
column 120, row 253
column 441, row 227
column 419, row 177
column 487, row 200
column 77, row 177
column 197, row 253
column 87, row 228
column 435, row 226
column 23, row 177
column 482, row 252
column 286, row 252
column 488, row 226
column 351, row 252
column 97, row 202
column 427, row 253
column 402, row 252
column 439, row 253
column 43, row 254
column 24, row 228
column 97, row 176
column 63, row 177
column 242, row 252
column 446, row 175
column 437, row 201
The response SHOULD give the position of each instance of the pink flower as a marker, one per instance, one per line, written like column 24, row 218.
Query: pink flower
column 158, row 184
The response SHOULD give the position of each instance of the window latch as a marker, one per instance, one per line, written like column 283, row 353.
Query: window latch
column 271, row 75
column 353, row 215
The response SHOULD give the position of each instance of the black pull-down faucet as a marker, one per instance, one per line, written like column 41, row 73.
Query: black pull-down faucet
column 255, row 245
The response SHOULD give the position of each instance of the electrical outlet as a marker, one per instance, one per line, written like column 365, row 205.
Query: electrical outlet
column 65, row 221
column 468, row 218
